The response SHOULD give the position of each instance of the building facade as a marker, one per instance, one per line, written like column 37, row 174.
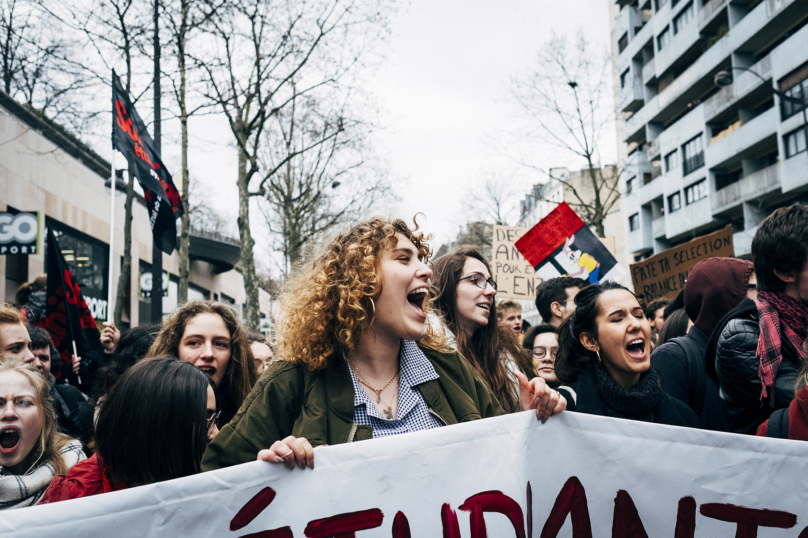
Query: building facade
column 708, row 139
column 44, row 169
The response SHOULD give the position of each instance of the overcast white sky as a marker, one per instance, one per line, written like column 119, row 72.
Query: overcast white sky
column 442, row 90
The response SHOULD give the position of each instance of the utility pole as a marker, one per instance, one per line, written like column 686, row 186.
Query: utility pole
column 157, row 254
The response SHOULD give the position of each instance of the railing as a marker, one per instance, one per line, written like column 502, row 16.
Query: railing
column 746, row 80
column 719, row 102
column 216, row 236
column 693, row 163
column 746, row 187
column 709, row 8
column 648, row 70
column 658, row 227
column 653, row 148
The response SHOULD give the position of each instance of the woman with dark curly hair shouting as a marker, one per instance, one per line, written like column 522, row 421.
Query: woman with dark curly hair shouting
column 357, row 358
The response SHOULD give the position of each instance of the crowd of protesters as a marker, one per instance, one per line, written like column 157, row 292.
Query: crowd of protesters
column 376, row 340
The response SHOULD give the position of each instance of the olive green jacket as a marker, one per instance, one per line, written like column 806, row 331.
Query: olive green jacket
column 268, row 414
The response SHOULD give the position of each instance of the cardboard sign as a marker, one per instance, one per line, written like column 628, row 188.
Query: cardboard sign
column 664, row 274
column 508, row 477
column 515, row 277
column 561, row 245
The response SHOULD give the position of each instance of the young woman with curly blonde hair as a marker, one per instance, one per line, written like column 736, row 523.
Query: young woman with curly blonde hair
column 357, row 358
column 210, row 336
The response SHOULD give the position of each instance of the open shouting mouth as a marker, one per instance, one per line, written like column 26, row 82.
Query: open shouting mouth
column 9, row 439
column 417, row 298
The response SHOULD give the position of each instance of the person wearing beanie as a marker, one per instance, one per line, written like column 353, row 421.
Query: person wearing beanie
column 714, row 287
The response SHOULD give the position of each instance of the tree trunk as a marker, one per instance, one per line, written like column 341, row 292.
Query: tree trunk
column 126, row 267
column 252, row 315
column 184, row 261
column 597, row 222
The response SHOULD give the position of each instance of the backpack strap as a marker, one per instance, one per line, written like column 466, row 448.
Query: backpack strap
column 71, row 396
column 778, row 424
column 696, row 377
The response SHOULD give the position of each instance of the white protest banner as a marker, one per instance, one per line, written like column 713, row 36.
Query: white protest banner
column 515, row 277
column 575, row 476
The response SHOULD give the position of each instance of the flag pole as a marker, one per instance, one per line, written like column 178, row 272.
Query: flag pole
column 110, row 305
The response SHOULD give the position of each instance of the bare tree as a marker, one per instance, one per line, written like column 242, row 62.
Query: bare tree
column 257, row 49
column 316, row 188
column 567, row 102
column 184, row 18
column 114, row 29
column 495, row 200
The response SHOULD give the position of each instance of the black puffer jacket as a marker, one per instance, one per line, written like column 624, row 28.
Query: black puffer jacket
column 732, row 359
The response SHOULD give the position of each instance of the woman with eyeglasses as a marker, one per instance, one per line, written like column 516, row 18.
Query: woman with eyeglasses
column 357, row 359
column 153, row 426
column 542, row 343
column 464, row 295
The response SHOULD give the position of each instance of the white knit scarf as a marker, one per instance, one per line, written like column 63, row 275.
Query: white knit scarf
column 17, row 491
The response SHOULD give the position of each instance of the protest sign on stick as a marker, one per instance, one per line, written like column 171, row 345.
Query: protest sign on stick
column 562, row 245
column 515, row 277
column 575, row 476
column 664, row 274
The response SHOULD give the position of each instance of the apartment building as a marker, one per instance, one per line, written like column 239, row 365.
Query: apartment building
column 710, row 97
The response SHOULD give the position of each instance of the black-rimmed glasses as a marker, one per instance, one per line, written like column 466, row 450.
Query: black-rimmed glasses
column 480, row 281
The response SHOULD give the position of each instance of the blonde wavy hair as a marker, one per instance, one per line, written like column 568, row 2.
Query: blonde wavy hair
column 51, row 442
column 331, row 302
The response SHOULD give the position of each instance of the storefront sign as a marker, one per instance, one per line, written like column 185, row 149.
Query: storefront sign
column 508, row 477
column 664, row 274
column 515, row 277
column 19, row 233
column 562, row 245
column 146, row 284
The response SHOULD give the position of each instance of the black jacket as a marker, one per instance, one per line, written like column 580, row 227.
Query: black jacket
column 671, row 362
column 587, row 400
column 732, row 360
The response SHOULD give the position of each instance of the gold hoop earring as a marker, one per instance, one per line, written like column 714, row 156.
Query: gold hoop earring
column 598, row 354
column 373, row 306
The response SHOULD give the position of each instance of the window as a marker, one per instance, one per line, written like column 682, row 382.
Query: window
column 631, row 185
column 693, row 154
column 791, row 104
column 794, row 142
column 634, row 222
column 670, row 161
column 724, row 180
column 660, row 4
column 664, row 38
column 674, row 202
column 696, row 192
column 624, row 78
column 683, row 18
column 623, row 43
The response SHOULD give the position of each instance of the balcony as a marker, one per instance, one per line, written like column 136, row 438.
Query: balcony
column 649, row 71
column 748, row 187
column 220, row 251
column 658, row 227
column 631, row 97
column 710, row 8
column 693, row 163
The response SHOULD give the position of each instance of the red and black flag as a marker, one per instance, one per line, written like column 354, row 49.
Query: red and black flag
column 67, row 317
column 130, row 137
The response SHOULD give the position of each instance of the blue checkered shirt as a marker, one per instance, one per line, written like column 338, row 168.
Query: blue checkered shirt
column 413, row 413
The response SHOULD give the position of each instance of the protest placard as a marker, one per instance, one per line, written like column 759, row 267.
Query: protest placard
column 515, row 277
column 575, row 476
column 561, row 245
column 664, row 274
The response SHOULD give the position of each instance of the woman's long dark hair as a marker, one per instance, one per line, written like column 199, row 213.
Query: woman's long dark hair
column 675, row 325
column 486, row 346
column 573, row 358
column 153, row 423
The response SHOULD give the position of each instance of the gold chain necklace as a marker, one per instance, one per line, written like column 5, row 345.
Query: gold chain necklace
column 388, row 411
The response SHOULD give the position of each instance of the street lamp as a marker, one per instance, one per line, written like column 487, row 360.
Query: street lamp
column 724, row 78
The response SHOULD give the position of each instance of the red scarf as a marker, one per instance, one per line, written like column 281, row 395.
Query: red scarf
column 779, row 315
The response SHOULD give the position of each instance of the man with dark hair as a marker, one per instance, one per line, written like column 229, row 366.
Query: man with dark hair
column 555, row 298
column 66, row 398
column 655, row 312
column 755, row 352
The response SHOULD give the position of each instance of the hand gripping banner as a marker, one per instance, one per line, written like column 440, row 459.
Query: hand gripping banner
column 130, row 137
column 577, row 476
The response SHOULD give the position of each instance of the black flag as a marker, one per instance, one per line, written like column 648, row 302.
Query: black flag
column 130, row 137
column 67, row 317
